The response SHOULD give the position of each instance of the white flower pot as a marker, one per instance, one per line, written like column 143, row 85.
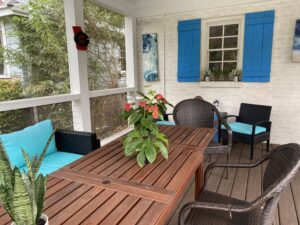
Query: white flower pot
column 44, row 217
column 206, row 78
column 236, row 78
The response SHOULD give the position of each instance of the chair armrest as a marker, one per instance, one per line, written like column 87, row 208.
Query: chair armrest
column 77, row 142
column 265, row 123
column 212, row 206
column 228, row 128
column 234, row 165
column 166, row 116
column 229, row 116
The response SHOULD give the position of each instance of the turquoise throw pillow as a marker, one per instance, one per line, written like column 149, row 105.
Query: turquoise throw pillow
column 32, row 139
column 244, row 128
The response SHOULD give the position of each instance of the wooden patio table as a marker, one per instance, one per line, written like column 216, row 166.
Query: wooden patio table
column 105, row 187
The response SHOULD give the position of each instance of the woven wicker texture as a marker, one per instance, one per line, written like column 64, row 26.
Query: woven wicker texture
column 215, row 209
column 200, row 113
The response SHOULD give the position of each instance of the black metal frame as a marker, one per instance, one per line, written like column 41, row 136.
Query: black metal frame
column 284, row 163
column 256, row 115
column 77, row 142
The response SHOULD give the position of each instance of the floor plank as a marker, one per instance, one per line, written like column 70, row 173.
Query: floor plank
column 246, row 184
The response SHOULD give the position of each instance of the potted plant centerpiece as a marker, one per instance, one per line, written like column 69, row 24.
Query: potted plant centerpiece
column 22, row 193
column 146, row 141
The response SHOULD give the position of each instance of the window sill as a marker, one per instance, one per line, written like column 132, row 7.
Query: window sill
column 221, row 84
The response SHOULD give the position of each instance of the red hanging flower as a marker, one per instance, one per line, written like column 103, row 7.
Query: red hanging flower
column 128, row 107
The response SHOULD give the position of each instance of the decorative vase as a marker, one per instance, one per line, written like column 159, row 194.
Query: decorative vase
column 43, row 217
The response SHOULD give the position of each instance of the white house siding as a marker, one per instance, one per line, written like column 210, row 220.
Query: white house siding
column 282, row 93
column 12, row 42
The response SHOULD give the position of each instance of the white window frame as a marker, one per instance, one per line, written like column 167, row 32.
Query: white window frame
column 80, row 94
column 6, row 72
column 206, row 23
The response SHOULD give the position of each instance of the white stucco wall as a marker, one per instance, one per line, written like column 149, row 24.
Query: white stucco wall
column 283, row 92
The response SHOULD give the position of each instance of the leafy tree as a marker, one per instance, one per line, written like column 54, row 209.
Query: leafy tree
column 43, row 50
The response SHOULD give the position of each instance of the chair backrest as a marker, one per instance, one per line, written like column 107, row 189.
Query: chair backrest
column 284, row 163
column 195, row 113
column 250, row 113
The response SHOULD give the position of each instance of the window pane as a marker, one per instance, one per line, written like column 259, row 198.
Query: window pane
column 37, row 49
column 216, row 31
column 215, row 43
column 215, row 56
column 231, row 30
column 106, row 114
column 106, row 52
column 230, row 55
column 61, row 115
column 230, row 42
column 229, row 66
column 215, row 66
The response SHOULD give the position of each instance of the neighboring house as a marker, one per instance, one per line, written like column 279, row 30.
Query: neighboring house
column 8, row 9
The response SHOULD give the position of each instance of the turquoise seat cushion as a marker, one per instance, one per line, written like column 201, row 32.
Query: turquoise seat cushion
column 56, row 161
column 244, row 128
column 32, row 139
column 166, row 123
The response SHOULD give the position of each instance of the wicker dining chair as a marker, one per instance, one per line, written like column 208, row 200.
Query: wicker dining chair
column 216, row 209
column 254, row 117
column 200, row 113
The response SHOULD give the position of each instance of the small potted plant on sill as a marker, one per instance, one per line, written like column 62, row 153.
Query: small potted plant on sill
column 22, row 193
column 236, row 74
column 217, row 74
column 146, row 141
column 207, row 74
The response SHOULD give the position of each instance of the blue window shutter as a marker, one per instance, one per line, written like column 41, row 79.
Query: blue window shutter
column 258, row 39
column 189, row 50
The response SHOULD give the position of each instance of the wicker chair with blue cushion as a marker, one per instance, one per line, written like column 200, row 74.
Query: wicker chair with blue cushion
column 200, row 113
column 252, row 126
column 215, row 209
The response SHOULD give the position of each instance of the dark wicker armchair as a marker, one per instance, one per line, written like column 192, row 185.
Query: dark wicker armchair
column 216, row 209
column 199, row 113
column 257, row 116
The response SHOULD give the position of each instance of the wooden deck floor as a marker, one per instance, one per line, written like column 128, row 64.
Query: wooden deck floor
column 246, row 184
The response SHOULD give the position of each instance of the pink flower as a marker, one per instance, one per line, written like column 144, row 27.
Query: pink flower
column 128, row 107
column 142, row 104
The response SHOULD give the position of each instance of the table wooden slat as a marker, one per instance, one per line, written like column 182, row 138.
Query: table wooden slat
column 105, row 187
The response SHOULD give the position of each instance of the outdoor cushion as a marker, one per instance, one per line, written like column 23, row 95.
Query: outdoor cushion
column 32, row 139
column 244, row 128
column 56, row 161
column 166, row 123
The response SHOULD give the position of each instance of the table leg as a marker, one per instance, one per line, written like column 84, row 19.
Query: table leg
column 198, row 180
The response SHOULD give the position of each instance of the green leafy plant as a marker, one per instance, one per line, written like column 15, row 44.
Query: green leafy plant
column 145, row 141
column 236, row 73
column 22, row 193
column 207, row 73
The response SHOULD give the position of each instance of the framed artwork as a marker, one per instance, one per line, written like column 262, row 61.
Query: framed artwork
column 296, row 46
column 150, row 57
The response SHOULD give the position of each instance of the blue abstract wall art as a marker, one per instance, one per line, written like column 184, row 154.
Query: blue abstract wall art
column 150, row 57
column 296, row 47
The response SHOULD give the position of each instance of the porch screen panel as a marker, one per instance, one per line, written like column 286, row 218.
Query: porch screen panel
column 189, row 50
column 258, row 41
